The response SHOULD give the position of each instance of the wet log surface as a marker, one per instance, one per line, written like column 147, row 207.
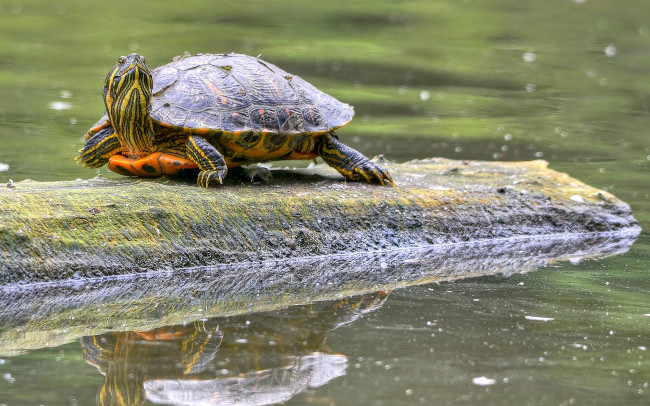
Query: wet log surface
column 80, row 229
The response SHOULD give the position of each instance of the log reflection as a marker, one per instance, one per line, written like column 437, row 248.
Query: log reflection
column 260, row 358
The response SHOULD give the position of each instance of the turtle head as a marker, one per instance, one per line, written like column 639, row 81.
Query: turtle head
column 127, row 96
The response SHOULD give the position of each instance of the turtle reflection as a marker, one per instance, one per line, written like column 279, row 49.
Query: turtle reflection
column 259, row 359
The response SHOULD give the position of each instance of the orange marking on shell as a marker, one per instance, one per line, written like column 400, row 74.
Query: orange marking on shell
column 154, row 165
column 311, row 114
column 172, row 164
column 277, row 89
column 216, row 91
column 160, row 335
column 261, row 111
column 148, row 166
column 121, row 164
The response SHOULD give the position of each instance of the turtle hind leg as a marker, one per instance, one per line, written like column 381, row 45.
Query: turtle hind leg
column 351, row 163
column 208, row 159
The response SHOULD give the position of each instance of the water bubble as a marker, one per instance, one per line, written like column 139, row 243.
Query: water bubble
column 483, row 381
column 539, row 154
column 530, row 87
column 425, row 95
column 538, row 318
column 73, row 121
column 409, row 392
column 458, row 149
column 402, row 89
column 610, row 50
column 7, row 377
column 65, row 94
column 58, row 105
column 3, row 168
column 529, row 57
column 507, row 137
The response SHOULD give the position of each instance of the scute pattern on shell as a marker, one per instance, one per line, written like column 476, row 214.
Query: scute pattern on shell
column 233, row 92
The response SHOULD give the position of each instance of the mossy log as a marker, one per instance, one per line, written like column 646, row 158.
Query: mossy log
column 79, row 229
column 305, row 237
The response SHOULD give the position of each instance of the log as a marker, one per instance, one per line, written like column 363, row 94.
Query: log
column 53, row 231
column 88, row 257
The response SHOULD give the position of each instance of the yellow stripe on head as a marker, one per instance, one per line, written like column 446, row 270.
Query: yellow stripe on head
column 127, row 96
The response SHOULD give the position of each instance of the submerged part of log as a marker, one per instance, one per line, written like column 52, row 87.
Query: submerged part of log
column 70, row 230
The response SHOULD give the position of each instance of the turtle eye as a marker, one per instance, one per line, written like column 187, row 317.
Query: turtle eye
column 121, row 61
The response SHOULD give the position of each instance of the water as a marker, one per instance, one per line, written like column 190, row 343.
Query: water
column 565, row 81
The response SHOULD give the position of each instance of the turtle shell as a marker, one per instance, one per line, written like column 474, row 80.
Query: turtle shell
column 242, row 94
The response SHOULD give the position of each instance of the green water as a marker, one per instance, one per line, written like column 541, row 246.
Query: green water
column 565, row 81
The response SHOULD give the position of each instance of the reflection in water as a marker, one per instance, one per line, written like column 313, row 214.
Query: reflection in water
column 256, row 359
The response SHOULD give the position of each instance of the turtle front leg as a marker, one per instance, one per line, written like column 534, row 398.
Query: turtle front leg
column 208, row 159
column 351, row 163
column 99, row 148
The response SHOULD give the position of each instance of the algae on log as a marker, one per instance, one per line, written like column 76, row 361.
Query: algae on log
column 66, row 230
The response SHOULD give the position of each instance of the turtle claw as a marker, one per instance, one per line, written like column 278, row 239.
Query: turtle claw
column 351, row 163
column 211, row 178
column 208, row 159
column 372, row 172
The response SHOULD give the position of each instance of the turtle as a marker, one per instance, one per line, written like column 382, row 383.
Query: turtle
column 214, row 112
